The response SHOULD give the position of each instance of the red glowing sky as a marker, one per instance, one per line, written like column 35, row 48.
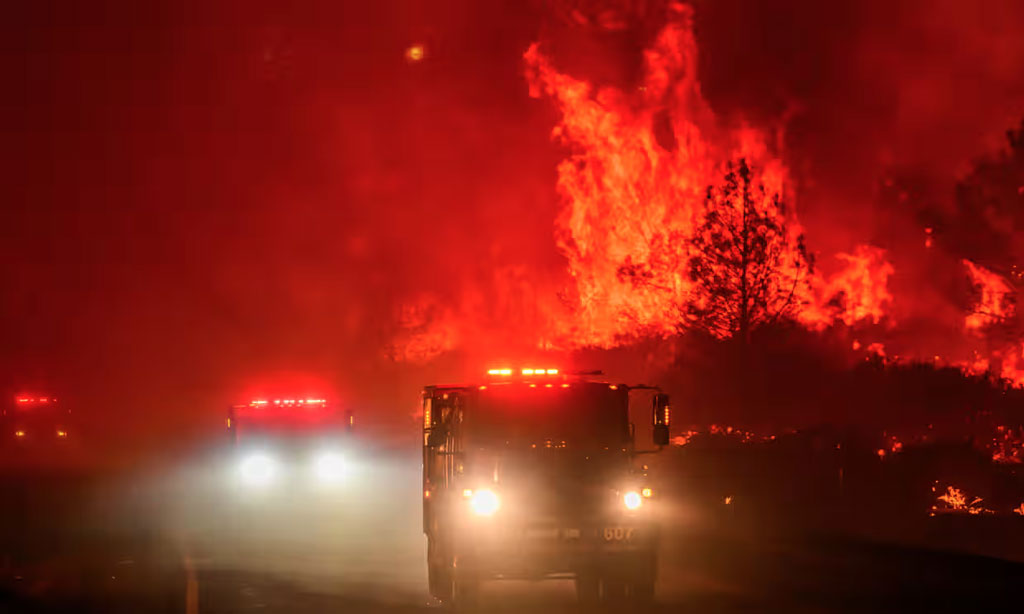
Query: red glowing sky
column 202, row 199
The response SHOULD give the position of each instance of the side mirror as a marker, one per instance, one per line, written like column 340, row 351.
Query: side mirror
column 661, row 418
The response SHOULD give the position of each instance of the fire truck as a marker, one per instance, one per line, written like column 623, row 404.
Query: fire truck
column 37, row 422
column 288, row 443
column 534, row 474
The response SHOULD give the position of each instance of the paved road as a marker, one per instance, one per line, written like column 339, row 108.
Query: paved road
column 714, row 574
column 361, row 550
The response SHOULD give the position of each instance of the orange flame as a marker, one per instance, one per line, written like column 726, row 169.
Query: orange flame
column 633, row 192
column 993, row 303
column 858, row 292
column 631, row 196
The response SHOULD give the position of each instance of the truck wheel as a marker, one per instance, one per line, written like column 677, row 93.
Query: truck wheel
column 439, row 573
column 641, row 584
column 440, row 582
column 465, row 593
column 588, row 588
column 613, row 591
column 641, row 592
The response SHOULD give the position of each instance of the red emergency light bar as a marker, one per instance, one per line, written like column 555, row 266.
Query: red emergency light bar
column 524, row 371
column 289, row 402
column 34, row 400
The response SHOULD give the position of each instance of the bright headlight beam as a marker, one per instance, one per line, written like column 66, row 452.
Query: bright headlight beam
column 484, row 502
column 258, row 469
column 632, row 500
column 329, row 467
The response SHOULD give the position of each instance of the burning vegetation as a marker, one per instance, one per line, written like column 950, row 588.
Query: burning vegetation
column 954, row 500
column 673, row 221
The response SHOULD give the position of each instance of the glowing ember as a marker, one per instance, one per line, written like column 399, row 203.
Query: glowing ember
column 954, row 498
column 955, row 501
column 1007, row 445
column 738, row 434
column 682, row 440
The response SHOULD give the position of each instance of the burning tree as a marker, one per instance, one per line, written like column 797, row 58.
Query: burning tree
column 747, row 267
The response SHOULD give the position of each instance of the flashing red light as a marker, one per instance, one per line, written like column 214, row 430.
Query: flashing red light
column 34, row 400
column 288, row 402
column 536, row 371
column 523, row 371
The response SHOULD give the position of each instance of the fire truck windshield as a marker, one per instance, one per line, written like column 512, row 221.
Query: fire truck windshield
column 580, row 416
column 288, row 423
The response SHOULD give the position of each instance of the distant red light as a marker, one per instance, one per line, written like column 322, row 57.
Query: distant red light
column 34, row 400
column 288, row 402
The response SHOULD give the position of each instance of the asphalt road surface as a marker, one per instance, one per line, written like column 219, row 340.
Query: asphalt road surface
column 712, row 574
column 178, row 544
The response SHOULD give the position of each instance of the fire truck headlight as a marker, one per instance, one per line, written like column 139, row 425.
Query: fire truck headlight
column 258, row 470
column 329, row 467
column 632, row 500
column 484, row 502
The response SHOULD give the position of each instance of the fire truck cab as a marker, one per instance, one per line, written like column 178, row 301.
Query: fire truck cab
column 534, row 475
column 289, row 444
column 36, row 422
